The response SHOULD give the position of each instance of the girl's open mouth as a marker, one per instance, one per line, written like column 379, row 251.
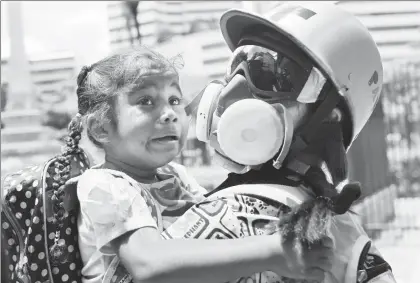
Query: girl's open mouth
column 166, row 139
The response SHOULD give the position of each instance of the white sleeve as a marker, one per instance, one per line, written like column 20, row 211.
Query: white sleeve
column 113, row 206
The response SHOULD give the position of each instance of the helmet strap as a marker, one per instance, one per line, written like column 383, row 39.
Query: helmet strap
column 311, row 130
column 327, row 147
column 321, row 141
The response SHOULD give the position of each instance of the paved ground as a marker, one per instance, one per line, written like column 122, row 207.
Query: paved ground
column 400, row 246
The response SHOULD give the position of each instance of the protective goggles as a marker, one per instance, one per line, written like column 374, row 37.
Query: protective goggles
column 275, row 71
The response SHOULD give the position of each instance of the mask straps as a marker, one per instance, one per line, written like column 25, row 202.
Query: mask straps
column 288, row 137
column 193, row 105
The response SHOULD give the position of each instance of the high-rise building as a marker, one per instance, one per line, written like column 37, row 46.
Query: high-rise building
column 158, row 19
column 394, row 25
column 204, row 55
column 49, row 73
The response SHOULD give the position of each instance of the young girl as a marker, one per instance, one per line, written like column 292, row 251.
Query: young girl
column 132, row 107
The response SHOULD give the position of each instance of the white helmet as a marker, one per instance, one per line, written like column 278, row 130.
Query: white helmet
column 338, row 43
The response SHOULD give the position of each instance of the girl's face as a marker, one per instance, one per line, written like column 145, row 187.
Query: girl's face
column 151, row 123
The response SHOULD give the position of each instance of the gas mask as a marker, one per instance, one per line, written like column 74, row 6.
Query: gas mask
column 245, row 118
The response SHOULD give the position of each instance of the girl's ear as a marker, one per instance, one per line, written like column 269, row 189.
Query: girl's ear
column 99, row 131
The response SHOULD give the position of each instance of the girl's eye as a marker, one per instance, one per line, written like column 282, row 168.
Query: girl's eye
column 175, row 101
column 146, row 101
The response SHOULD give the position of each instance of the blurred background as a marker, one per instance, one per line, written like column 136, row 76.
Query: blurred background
column 44, row 45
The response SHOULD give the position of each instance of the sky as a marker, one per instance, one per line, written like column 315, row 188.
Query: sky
column 76, row 26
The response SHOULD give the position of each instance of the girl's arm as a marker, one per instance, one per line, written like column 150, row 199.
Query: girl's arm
column 149, row 258
column 122, row 223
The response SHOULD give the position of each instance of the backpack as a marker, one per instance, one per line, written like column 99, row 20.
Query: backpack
column 27, row 229
column 28, row 232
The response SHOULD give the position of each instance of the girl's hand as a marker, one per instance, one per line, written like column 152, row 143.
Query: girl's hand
column 310, row 262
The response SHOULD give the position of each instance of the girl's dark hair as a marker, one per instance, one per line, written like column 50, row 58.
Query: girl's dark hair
column 97, row 87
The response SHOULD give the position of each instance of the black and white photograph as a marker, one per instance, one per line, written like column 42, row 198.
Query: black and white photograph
column 210, row 141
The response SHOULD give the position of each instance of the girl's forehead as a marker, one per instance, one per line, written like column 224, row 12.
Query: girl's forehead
column 156, row 80
column 153, row 78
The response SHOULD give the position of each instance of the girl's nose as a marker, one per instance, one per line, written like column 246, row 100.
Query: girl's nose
column 168, row 116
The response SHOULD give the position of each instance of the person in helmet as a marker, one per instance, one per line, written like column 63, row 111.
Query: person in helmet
column 302, row 82
column 297, row 92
